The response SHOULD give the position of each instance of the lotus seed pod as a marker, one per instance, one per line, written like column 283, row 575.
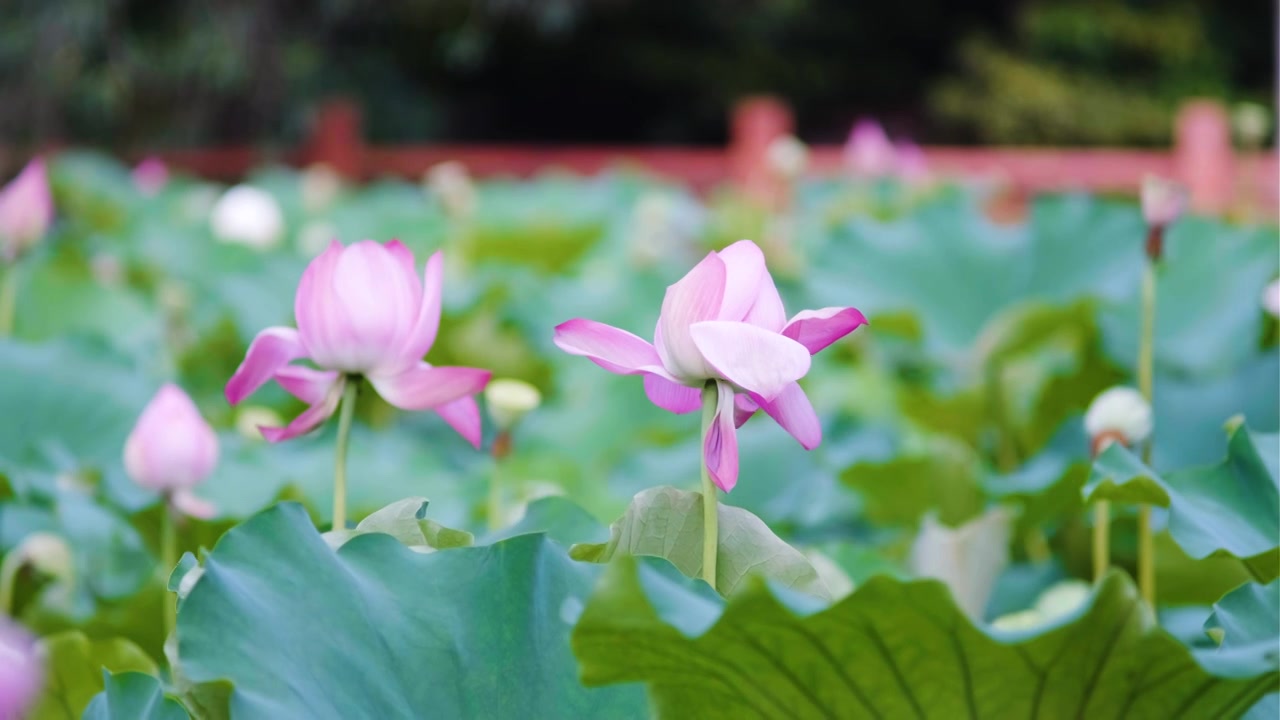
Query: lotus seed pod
column 510, row 400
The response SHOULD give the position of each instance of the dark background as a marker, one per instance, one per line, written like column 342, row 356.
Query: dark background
column 130, row 74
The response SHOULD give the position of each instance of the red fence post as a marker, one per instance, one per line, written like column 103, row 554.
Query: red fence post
column 757, row 122
column 336, row 137
column 1203, row 156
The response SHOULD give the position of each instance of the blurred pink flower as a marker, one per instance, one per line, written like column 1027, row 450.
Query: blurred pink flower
column 150, row 175
column 1163, row 201
column 21, row 670
column 723, row 322
column 868, row 152
column 361, row 310
column 26, row 210
column 912, row 166
column 172, row 449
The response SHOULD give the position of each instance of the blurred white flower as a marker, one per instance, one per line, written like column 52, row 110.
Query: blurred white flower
column 1163, row 200
column 251, row 417
column 661, row 222
column 1271, row 298
column 787, row 157
column 451, row 183
column 968, row 559
column 508, row 400
column 1119, row 413
column 1252, row 123
column 248, row 216
column 47, row 553
column 319, row 186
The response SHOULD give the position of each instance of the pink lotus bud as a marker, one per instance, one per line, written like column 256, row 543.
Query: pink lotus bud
column 150, row 176
column 21, row 670
column 913, row 168
column 171, row 449
column 868, row 152
column 362, row 311
column 26, row 210
column 1163, row 201
column 722, row 326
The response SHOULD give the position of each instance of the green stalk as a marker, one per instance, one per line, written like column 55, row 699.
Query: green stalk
column 8, row 298
column 501, row 446
column 13, row 562
column 168, row 561
column 1101, row 538
column 710, row 514
column 340, row 459
column 1146, row 372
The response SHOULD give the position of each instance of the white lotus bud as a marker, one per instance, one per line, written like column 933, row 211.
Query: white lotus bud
column 251, row 417
column 49, row 554
column 1062, row 598
column 1271, row 298
column 968, row 559
column 1252, row 122
column 248, row 216
column 319, row 186
column 451, row 183
column 509, row 400
column 1119, row 413
column 787, row 156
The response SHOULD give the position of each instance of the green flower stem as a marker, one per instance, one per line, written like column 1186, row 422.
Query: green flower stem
column 168, row 561
column 501, row 448
column 13, row 562
column 1101, row 539
column 8, row 298
column 340, row 458
column 1146, row 374
column 710, row 514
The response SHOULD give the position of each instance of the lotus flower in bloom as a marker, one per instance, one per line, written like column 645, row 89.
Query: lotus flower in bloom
column 150, row 176
column 172, row 449
column 868, row 152
column 362, row 311
column 722, row 326
column 1163, row 201
column 21, row 670
column 26, row 211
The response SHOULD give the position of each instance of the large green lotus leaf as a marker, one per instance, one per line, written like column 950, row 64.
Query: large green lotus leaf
column 133, row 696
column 902, row 490
column 74, row 671
column 1228, row 508
column 894, row 649
column 1247, row 623
column 406, row 520
column 1190, row 411
column 562, row 520
column 666, row 522
column 377, row 630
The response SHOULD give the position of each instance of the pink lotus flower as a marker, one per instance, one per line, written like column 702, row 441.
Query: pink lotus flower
column 361, row 310
column 150, row 175
column 1163, row 201
column 26, row 210
column 172, row 449
column 868, row 152
column 722, row 323
column 21, row 670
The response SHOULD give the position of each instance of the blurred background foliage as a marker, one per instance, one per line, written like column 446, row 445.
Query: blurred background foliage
column 120, row 73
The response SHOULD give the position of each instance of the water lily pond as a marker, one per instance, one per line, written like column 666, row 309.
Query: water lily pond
column 566, row 447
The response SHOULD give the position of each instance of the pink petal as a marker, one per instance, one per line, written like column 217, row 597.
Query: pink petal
column 744, row 408
column 670, row 396
column 463, row 415
column 752, row 358
column 744, row 274
column 271, row 350
column 424, row 387
column 793, row 411
column 187, row 503
column 767, row 312
column 613, row 349
column 380, row 295
column 427, row 323
column 720, row 447
column 696, row 297
column 816, row 329
column 315, row 309
column 310, row 419
column 307, row 384
column 171, row 446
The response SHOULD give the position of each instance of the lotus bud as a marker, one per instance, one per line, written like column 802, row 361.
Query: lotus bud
column 1271, row 299
column 868, row 151
column 320, row 186
column 1252, row 122
column 172, row 449
column 48, row 554
column 26, row 211
column 21, row 670
column 250, row 418
column 451, row 183
column 787, row 157
column 248, row 216
column 1120, row 414
column 509, row 400
column 150, row 176
column 1163, row 201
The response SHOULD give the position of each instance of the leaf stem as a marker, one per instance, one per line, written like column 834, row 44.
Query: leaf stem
column 1101, row 538
column 710, row 513
column 8, row 299
column 168, row 561
column 1146, row 382
column 340, row 457
column 13, row 562
column 501, row 448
